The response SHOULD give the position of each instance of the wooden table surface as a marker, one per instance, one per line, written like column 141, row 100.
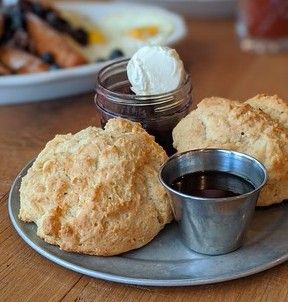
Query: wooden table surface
column 218, row 67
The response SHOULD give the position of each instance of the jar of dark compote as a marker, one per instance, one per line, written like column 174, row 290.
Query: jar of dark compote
column 158, row 113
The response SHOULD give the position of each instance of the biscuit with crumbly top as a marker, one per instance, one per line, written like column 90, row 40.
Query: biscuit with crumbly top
column 97, row 192
column 222, row 123
column 273, row 106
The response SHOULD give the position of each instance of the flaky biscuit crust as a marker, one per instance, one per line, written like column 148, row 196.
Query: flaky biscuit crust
column 222, row 123
column 97, row 192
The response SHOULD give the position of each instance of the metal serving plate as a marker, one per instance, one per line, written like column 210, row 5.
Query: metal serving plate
column 166, row 261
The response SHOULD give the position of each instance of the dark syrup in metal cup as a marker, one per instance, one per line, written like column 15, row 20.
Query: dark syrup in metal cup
column 213, row 215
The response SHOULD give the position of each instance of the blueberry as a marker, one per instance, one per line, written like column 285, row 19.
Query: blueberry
column 25, row 5
column 57, row 22
column 38, row 9
column 47, row 57
column 8, row 32
column 116, row 53
column 80, row 35
column 52, row 19
column 54, row 67
column 63, row 25
column 16, row 19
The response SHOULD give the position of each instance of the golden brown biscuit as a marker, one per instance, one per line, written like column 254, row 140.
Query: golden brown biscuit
column 273, row 106
column 221, row 123
column 47, row 39
column 97, row 192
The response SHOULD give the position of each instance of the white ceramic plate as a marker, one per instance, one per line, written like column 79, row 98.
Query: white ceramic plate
column 66, row 82
column 195, row 8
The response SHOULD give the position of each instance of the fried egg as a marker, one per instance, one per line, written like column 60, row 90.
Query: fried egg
column 127, row 31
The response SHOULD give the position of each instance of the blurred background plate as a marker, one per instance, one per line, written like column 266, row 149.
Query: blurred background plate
column 195, row 8
column 53, row 84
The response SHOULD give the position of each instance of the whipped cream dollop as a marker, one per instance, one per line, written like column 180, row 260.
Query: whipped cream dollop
column 155, row 70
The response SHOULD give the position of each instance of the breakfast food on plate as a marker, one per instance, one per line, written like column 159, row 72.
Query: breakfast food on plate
column 97, row 192
column 273, row 106
column 35, row 33
column 62, row 37
column 222, row 123
column 155, row 70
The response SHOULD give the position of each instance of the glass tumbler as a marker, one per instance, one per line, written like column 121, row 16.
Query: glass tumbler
column 158, row 114
column 262, row 25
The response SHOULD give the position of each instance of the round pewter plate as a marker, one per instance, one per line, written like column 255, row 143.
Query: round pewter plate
column 165, row 261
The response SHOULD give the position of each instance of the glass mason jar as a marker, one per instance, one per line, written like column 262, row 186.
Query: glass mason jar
column 263, row 25
column 158, row 114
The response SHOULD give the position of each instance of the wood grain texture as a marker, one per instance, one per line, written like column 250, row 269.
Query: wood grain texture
column 218, row 67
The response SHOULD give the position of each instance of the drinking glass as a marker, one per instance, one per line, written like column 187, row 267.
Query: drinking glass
column 262, row 25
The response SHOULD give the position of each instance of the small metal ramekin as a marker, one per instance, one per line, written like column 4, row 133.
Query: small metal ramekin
column 213, row 226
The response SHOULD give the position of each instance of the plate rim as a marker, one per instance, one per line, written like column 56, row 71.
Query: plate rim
column 124, row 279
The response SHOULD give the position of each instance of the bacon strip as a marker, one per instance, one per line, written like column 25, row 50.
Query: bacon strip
column 46, row 39
column 20, row 61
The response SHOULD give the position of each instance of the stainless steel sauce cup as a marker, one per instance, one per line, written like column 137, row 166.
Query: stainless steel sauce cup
column 213, row 226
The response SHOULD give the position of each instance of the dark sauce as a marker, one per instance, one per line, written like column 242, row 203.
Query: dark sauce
column 212, row 184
